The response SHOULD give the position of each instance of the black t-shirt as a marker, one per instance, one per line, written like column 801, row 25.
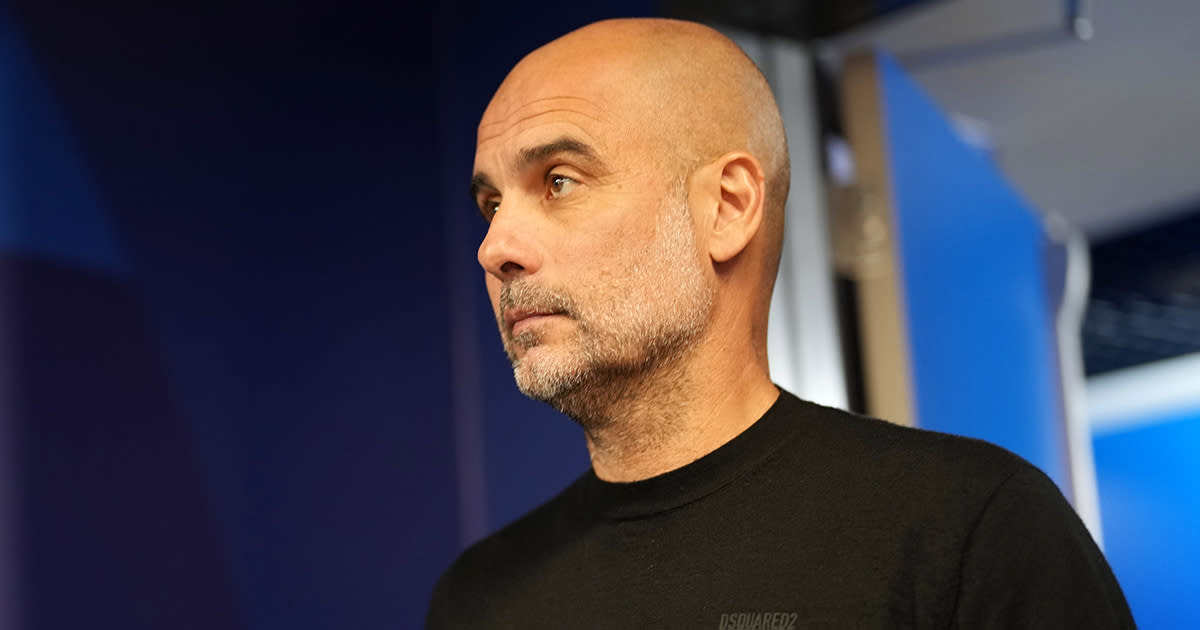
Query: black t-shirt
column 811, row 518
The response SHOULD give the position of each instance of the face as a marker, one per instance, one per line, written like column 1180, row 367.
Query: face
column 591, row 259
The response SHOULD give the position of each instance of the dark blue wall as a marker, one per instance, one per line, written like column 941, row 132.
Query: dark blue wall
column 239, row 289
column 245, row 425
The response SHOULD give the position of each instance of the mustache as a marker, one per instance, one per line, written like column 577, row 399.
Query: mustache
column 525, row 295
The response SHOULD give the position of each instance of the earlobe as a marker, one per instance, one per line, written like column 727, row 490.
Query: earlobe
column 739, row 206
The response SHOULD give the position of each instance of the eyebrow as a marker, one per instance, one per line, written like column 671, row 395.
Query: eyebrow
column 479, row 182
column 566, row 144
column 530, row 156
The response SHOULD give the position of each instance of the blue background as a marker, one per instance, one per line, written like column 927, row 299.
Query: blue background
column 230, row 238
column 1149, row 478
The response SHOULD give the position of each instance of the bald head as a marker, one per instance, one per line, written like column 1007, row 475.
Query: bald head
column 683, row 91
column 691, row 85
column 634, row 174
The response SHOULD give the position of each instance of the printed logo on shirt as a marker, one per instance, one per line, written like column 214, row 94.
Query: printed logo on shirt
column 758, row 621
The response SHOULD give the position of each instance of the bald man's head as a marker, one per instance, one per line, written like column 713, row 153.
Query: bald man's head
column 688, row 94
column 634, row 174
column 694, row 87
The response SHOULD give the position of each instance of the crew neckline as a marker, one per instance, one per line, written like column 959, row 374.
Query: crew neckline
column 698, row 479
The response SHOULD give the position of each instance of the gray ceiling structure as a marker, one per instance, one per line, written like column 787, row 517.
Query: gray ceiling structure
column 1104, row 131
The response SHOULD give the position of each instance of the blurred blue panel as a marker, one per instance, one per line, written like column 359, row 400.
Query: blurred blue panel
column 980, row 326
column 48, row 205
column 1149, row 480
column 112, row 514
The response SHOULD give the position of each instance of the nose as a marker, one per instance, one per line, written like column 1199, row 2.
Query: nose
column 509, row 249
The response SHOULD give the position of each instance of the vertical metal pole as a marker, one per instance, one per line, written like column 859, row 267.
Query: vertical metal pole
column 803, row 339
column 1085, row 493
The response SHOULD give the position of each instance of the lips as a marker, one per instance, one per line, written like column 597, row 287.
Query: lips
column 524, row 305
column 518, row 319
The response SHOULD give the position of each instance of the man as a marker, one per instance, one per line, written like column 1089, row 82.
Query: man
column 634, row 174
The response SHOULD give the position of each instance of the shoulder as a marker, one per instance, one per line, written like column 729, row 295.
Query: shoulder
column 886, row 476
column 858, row 445
column 1029, row 561
column 1021, row 555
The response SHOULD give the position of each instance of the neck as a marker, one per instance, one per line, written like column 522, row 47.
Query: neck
column 652, row 424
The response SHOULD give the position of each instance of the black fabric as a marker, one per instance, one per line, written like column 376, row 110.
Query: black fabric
column 811, row 518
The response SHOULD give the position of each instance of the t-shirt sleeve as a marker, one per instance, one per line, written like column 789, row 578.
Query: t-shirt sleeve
column 1029, row 562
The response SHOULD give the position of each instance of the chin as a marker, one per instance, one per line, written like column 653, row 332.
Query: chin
column 544, row 378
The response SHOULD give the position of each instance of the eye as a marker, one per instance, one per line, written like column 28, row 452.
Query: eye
column 488, row 208
column 560, row 185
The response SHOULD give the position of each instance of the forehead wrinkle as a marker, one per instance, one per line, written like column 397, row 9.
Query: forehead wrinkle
column 482, row 139
column 542, row 99
column 516, row 117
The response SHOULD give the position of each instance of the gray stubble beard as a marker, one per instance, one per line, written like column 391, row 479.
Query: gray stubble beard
column 626, row 354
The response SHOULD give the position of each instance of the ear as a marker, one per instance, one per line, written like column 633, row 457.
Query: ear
column 737, row 186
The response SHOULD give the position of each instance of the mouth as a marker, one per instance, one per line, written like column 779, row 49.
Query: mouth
column 518, row 319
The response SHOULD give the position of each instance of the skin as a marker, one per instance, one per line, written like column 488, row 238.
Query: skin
column 634, row 174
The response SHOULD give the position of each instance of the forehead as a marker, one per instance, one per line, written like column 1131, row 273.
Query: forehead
column 510, row 117
column 550, row 97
